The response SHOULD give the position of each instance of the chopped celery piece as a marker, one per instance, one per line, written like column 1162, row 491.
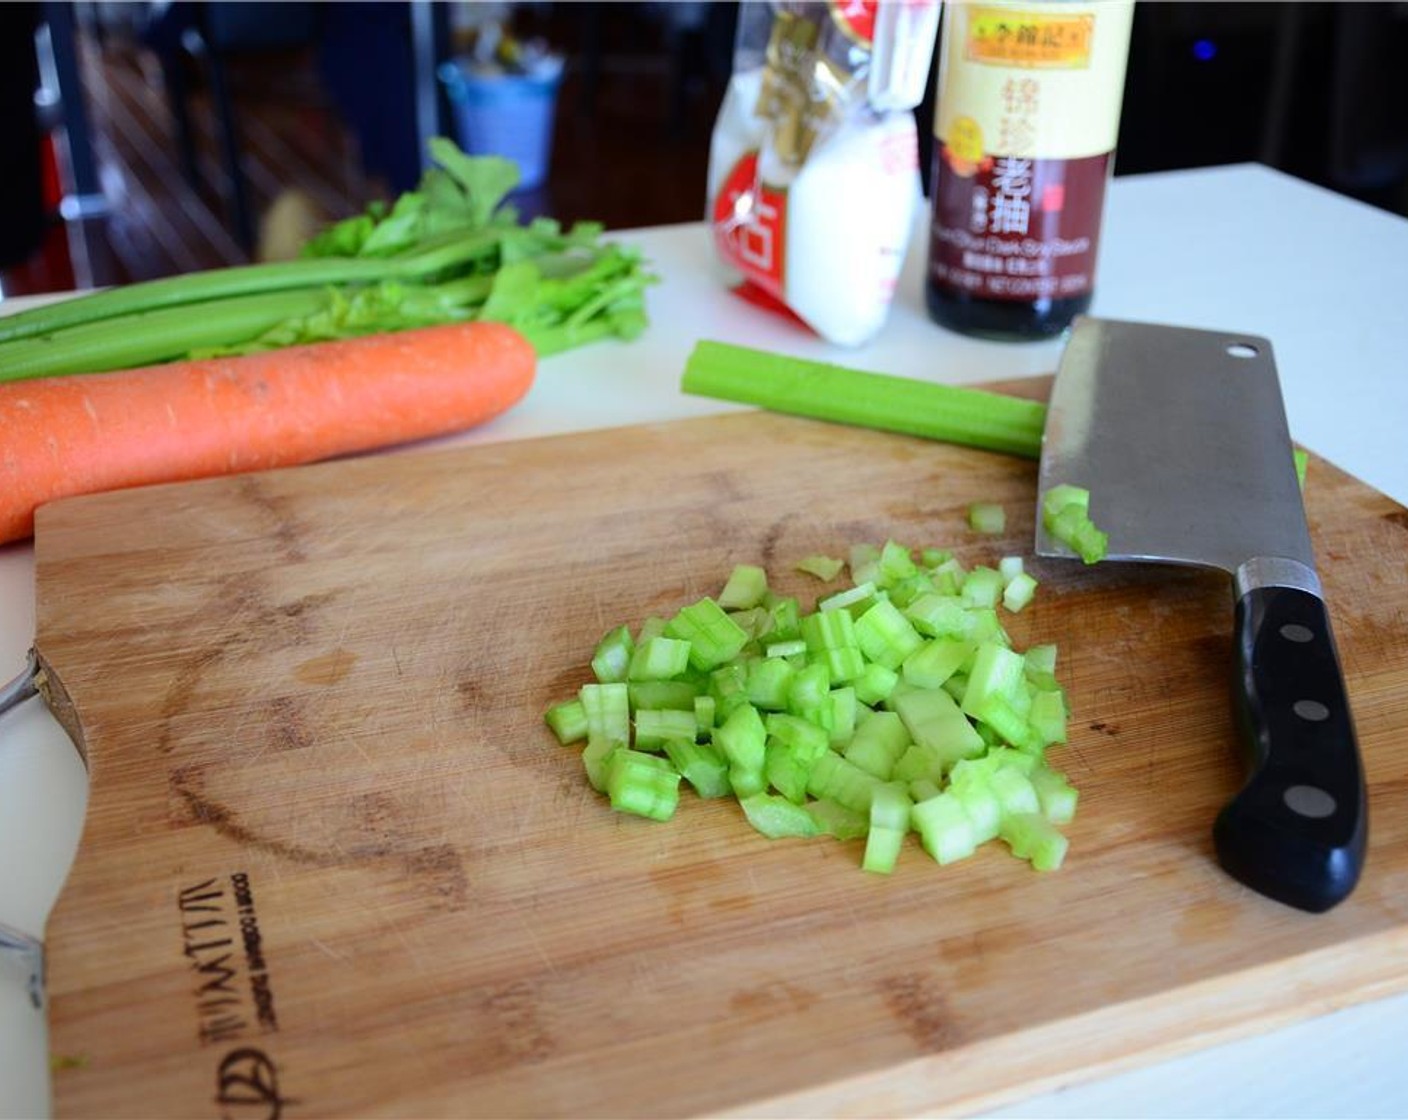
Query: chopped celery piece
column 743, row 738
column 1010, row 725
column 836, row 820
column 945, row 829
column 1064, row 496
column 982, row 587
column 568, row 721
column 1047, row 717
column 808, row 739
column 1056, row 796
column 921, row 762
column 754, row 621
column 844, row 664
column 658, row 659
column 864, row 561
column 728, row 686
column 1007, row 757
column 937, row 660
column 1040, row 659
column 952, row 567
column 921, row 789
column 776, row 817
column 652, row 627
column 997, row 670
column 810, row 688
column 890, row 809
column 746, row 586
column 987, row 517
column 789, row 648
column 935, row 721
column 608, row 711
column 885, row 636
column 905, row 591
column 828, row 630
column 1090, row 542
column 895, row 564
column 784, row 615
column 680, row 695
column 702, row 766
column 705, row 709
column 1065, row 513
column 843, row 708
column 875, row 684
column 834, row 779
column 1019, row 592
column 878, row 744
column 713, row 637
column 1032, row 837
column 769, row 683
column 862, row 595
column 613, row 655
column 1014, row 791
column 596, row 760
column 642, row 784
column 984, row 626
column 975, row 793
column 939, row 616
column 656, row 727
column 823, row 567
column 786, row 770
column 1010, row 568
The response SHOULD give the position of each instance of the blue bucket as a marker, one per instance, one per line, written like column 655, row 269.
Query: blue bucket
column 508, row 115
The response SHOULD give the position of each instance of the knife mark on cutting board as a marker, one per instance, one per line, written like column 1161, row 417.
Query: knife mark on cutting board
column 206, row 810
column 1398, row 518
column 278, row 510
column 239, row 620
column 919, row 1005
column 520, row 1037
column 772, row 537
column 370, row 837
column 772, row 999
column 326, row 668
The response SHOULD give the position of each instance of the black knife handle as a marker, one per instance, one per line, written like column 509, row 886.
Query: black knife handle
column 1297, row 831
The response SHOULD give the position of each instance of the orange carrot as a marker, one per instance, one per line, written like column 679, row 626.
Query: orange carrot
column 85, row 434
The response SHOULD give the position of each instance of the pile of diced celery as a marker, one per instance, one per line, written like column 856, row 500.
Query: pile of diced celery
column 898, row 705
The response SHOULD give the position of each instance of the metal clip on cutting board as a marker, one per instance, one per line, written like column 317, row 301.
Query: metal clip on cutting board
column 1181, row 438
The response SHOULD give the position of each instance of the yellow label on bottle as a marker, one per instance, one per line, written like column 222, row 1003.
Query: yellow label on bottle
column 1004, row 37
column 1033, row 81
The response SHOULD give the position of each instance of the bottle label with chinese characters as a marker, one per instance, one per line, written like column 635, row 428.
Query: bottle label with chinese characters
column 1025, row 127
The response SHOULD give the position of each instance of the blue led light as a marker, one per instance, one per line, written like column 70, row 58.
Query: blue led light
column 1204, row 50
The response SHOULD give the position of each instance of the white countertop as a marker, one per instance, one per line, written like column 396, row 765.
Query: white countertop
column 1237, row 248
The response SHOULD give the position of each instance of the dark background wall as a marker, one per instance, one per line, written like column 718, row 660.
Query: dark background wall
column 316, row 98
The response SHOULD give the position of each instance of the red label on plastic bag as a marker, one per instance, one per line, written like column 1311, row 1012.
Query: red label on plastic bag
column 750, row 225
column 856, row 18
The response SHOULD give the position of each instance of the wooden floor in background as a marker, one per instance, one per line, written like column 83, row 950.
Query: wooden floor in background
column 634, row 153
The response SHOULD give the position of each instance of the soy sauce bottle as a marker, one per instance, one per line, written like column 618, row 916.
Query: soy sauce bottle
column 1026, row 117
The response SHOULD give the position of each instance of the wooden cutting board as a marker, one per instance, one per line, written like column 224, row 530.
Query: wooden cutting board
column 336, row 865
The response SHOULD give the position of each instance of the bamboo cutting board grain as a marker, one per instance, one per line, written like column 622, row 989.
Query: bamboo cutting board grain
column 336, row 865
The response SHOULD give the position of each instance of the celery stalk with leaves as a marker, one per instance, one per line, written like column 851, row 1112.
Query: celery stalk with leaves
column 451, row 250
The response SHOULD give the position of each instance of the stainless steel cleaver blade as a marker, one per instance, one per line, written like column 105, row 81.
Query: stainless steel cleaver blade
column 1181, row 438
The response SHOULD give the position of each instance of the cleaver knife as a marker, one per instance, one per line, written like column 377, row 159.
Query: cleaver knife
column 1181, row 438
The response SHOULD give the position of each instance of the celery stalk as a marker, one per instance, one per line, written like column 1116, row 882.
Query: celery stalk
column 447, row 251
column 974, row 417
